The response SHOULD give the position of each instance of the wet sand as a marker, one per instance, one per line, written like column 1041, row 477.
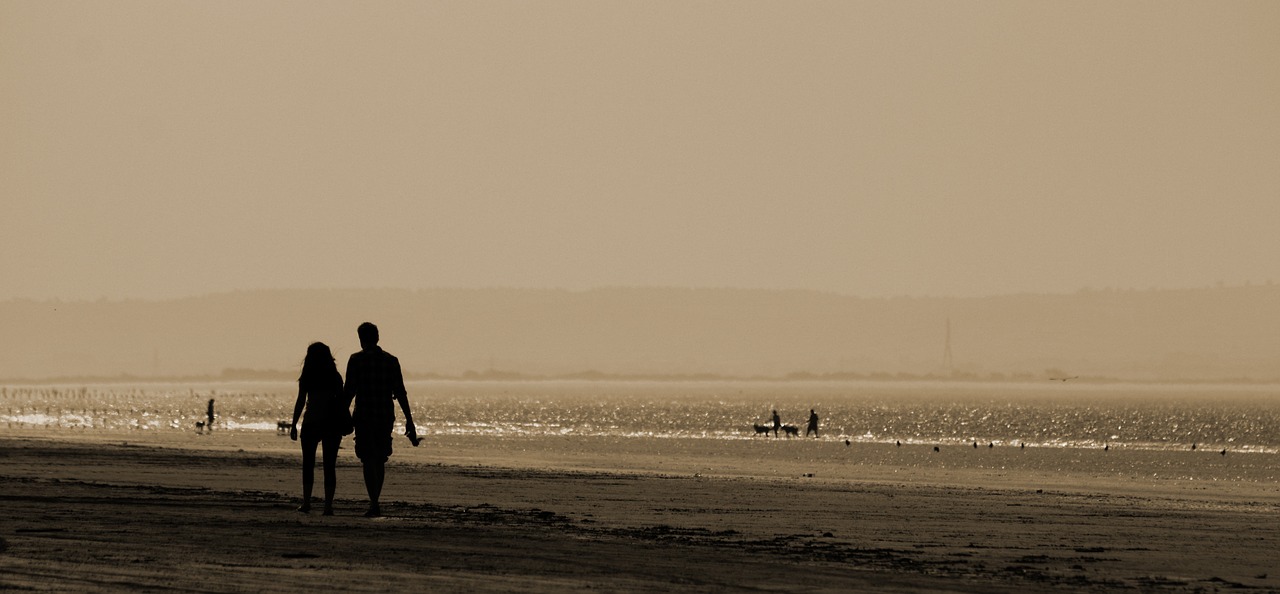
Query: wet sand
column 172, row 512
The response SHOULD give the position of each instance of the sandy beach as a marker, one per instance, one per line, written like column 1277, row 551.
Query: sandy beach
column 157, row 512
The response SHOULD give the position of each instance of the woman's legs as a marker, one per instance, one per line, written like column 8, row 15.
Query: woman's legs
column 330, row 454
column 308, row 471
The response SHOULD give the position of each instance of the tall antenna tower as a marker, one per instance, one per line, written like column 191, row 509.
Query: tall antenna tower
column 946, row 351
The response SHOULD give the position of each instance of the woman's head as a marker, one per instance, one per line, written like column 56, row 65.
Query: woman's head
column 319, row 351
column 319, row 359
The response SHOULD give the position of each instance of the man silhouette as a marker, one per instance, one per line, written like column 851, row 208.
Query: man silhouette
column 813, row 424
column 374, row 381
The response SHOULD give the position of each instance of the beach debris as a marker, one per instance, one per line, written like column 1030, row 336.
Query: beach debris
column 991, row 444
column 975, row 445
column 935, row 448
column 1023, row 446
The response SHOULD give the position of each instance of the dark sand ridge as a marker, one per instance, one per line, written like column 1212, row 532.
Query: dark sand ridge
column 92, row 514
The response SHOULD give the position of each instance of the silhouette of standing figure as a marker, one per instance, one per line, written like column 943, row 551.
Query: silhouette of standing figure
column 374, row 382
column 320, row 393
column 813, row 424
column 209, row 424
column 777, row 422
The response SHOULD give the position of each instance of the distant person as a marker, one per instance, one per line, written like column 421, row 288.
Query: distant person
column 374, row 380
column 325, row 422
column 813, row 424
column 777, row 422
column 209, row 412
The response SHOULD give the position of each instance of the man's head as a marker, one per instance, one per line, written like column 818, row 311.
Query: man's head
column 368, row 334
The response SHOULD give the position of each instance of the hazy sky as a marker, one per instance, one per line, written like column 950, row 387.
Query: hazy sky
column 158, row 149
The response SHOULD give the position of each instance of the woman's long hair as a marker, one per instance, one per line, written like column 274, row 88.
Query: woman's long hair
column 319, row 368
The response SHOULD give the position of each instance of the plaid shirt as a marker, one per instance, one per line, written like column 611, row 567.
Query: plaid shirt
column 374, row 381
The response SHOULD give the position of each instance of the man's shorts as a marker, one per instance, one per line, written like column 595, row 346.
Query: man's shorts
column 373, row 439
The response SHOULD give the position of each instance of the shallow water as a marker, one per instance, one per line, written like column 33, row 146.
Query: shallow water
column 1242, row 418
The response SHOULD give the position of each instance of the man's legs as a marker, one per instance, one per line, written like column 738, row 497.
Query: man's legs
column 374, row 473
column 373, row 447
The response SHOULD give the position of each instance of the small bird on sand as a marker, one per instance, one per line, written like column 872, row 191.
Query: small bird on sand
column 1023, row 446
column 1106, row 448
column 898, row 443
column 991, row 444
column 1223, row 452
column 1193, row 447
column 847, row 442
column 935, row 448
column 975, row 445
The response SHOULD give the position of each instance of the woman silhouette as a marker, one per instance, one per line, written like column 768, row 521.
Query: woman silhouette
column 320, row 391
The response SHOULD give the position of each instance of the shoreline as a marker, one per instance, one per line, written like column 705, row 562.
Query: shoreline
column 1245, row 475
column 564, row 523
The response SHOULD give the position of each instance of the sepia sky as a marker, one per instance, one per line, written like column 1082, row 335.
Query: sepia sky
column 162, row 149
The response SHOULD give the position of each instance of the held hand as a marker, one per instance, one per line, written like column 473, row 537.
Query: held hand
column 412, row 433
column 293, row 433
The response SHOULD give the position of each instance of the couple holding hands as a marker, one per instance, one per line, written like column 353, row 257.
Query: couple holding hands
column 374, row 382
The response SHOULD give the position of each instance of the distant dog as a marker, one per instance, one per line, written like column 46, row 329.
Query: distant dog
column 283, row 427
column 765, row 429
column 791, row 430
column 199, row 426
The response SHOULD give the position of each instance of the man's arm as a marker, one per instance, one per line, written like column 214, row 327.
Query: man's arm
column 410, row 429
column 402, row 396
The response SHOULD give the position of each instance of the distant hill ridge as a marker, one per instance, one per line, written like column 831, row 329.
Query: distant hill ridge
column 1155, row 334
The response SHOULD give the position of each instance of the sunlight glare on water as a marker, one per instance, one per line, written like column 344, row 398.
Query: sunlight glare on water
column 1243, row 418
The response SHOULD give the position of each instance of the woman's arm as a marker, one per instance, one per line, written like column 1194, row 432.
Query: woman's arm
column 297, row 412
